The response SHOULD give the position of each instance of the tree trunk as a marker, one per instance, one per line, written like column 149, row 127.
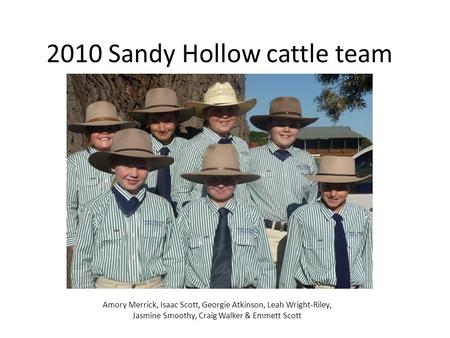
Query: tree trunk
column 127, row 93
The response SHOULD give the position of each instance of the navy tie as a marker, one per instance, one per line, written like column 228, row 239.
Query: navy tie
column 163, row 178
column 282, row 154
column 127, row 207
column 222, row 254
column 225, row 140
column 340, row 251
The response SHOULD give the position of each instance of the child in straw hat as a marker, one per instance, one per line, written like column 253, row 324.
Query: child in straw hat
column 84, row 182
column 126, row 237
column 329, row 242
column 220, row 110
column 161, row 115
column 224, row 238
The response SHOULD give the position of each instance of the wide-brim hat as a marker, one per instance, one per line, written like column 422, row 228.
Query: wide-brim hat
column 337, row 169
column 100, row 114
column 129, row 144
column 161, row 101
column 220, row 160
column 286, row 108
column 220, row 95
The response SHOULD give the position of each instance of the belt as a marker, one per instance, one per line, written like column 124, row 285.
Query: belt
column 251, row 286
column 318, row 286
column 275, row 225
column 103, row 282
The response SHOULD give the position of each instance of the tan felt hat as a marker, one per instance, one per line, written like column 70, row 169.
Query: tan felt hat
column 131, row 143
column 100, row 114
column 220, row 160
column 160, row 101
column 337, row 169
column 283, row 107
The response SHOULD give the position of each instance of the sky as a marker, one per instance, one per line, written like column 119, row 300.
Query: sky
column 265, row 87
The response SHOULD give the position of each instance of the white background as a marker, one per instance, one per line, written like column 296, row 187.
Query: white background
column 410, row 109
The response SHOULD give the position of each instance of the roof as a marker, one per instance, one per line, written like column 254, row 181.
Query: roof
column 314, row 133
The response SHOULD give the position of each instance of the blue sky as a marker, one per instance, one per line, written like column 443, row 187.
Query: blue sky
column 265, row 87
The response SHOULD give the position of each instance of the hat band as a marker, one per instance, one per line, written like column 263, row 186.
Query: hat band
column 286, row 113
column 103, row 119
column 161, row 105
column 133, row 149
column 220, row 168
column 326, row 174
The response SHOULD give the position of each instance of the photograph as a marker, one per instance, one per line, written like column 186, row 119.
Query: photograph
column 227, row 181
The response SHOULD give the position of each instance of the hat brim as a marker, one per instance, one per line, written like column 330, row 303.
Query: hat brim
column 199, row 107
column 200, row 176
column 102, row 160
column 262, row 121
column 84, row 127
column 181, row 113
column 336, row 178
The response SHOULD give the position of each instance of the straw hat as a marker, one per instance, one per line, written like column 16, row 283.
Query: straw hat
column 160, row 101
column 283, row 107
column 131, row 143
column 100, row 114
column 337, row 169
column 220, row 160
column 220, row 95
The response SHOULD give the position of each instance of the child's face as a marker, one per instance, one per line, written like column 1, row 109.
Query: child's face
column 101, row 137
column 162, row 127
column 221, row 119
column 334, row 194
column 131, row 175
column 220, row 188
column 284, row 132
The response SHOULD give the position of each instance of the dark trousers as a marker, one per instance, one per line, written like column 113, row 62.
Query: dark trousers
column 69, row 255
column 280, row 255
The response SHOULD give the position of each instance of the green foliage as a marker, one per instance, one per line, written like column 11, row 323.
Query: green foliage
column 259, row 137
column 342, row 92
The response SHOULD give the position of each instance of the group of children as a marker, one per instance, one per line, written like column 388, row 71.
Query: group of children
column 152, row 211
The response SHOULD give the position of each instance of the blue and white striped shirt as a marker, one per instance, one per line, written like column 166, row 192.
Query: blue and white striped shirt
column 191, row 160
column 251, row 263
column 127, row 249
column 175, row 148
column 84, row 182
column 310, row 257
column 282, row 183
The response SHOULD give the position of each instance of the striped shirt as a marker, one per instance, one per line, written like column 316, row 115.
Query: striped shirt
column 175, row 149
column 127, row 249
column 84, row 182
column 191, row 160
column 310, row 257
column 282, row 183
column 251, row 263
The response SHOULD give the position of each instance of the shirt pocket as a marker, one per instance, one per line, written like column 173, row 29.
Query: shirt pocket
column 313, row 244
column 154, row 231
column 354, row 239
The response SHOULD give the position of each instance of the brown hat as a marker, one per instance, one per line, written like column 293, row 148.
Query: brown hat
column 220, row 95
column 284, row 107
column 131, row 143
column 337, row 169
column 160, row 101
column 100, row 114
column 220, row 160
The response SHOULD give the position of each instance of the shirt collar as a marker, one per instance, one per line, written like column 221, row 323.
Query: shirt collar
column 230, row 205
column 140, row 195
column 327, row 211
column 273, row 147
column 91, row 150
column 157, row 145
column 213, row 135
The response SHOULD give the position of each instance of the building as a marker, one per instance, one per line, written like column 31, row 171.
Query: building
column 320, row 141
